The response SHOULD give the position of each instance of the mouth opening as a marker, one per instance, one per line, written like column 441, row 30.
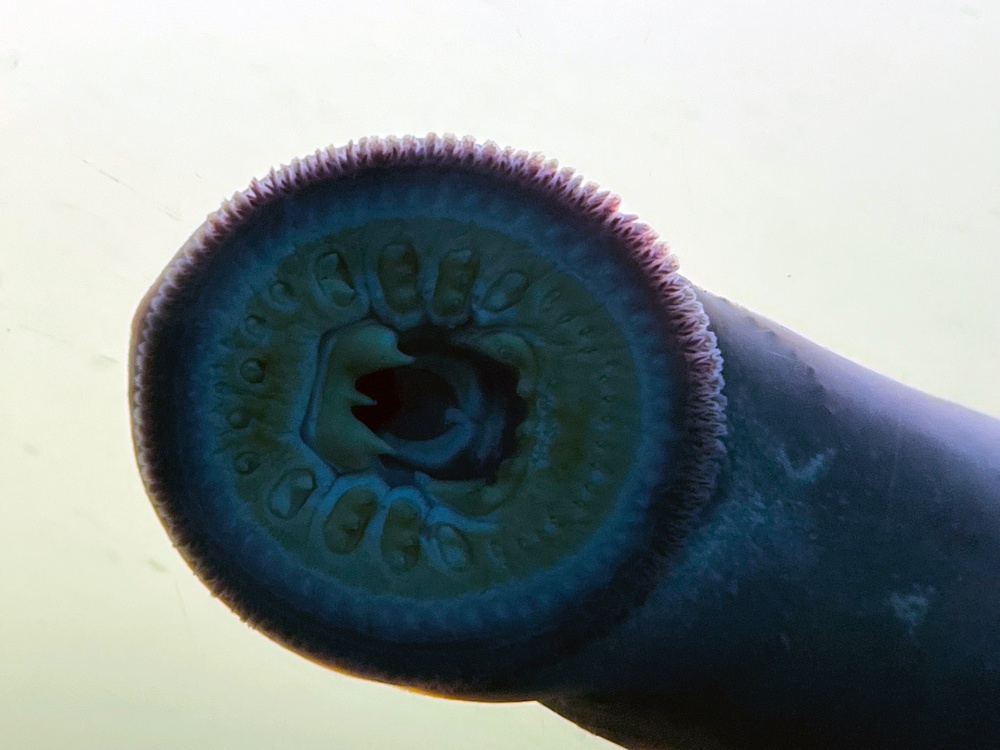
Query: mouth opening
column 451, row 414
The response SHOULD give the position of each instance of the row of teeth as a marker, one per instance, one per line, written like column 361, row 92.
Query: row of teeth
column 405, row 291
column 361, row 518
column 391, row 525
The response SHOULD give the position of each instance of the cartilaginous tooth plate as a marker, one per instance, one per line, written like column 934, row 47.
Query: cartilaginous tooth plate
column 398, row 267
column 421, row 406
column 457, row 272
column 332, row 279
column 332, row 430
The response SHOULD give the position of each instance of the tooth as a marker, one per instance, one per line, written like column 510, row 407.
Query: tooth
column 398, row 268
column 368, row 349
column 505, row 292
column 342, row 440
column 456, row 274
column 400, row 543
column 333, row 279
column 356, row 398
column 290, row 492
column 349, row 519
column 456, row 552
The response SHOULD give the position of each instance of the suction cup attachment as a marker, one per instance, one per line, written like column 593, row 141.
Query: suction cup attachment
column 427, row 411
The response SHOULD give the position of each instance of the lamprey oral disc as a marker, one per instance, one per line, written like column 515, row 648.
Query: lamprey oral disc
column 437, row 414
column 415, row 407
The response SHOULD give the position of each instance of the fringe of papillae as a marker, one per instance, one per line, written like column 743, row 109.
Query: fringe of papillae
column 684, row 314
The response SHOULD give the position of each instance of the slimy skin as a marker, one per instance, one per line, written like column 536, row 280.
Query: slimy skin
column 839, row 590
column 436, row 414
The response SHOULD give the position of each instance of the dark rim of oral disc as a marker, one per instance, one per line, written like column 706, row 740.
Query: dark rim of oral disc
column 426, row 410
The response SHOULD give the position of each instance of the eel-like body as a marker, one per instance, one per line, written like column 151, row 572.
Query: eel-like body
column 437, row 414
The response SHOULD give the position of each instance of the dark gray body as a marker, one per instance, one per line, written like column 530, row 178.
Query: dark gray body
column 842, row 588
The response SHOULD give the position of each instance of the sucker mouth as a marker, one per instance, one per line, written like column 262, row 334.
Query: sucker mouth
column 451, row 414
column 424, row 393
column 481, row 397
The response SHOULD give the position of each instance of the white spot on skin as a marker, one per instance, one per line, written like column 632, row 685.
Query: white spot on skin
column 809, row 472
column 911, row 608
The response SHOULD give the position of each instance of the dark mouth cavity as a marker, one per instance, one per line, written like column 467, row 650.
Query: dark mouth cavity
column 451, row 414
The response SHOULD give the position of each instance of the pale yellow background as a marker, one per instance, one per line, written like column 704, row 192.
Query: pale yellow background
column 835, row 166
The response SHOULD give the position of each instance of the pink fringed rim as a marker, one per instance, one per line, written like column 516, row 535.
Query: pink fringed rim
column 684, row 314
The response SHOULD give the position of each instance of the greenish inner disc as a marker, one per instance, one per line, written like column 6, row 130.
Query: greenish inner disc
column 426, row 407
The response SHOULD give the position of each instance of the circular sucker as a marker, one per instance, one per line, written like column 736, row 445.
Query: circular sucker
column 426, row 410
